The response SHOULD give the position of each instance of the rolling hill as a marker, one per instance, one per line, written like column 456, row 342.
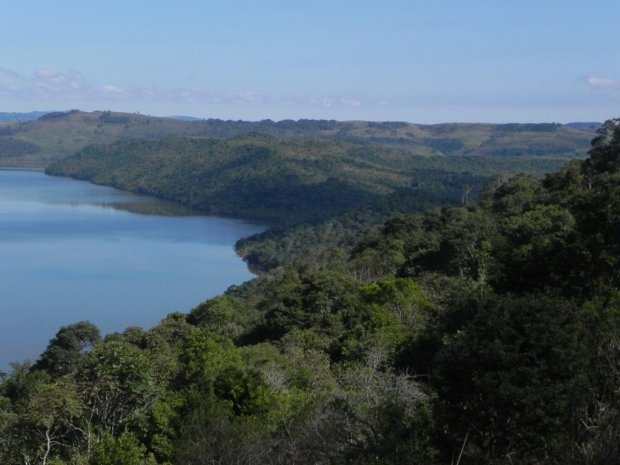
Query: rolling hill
column 59, row 134
column 280, row 181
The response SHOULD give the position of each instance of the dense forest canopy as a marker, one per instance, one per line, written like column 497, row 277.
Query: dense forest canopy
column 283, row 181
column 484, row 333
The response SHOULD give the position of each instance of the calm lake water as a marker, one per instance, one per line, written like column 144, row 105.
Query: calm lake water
column 73, row 251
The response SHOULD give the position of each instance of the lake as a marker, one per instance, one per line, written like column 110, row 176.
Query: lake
column 73, row 251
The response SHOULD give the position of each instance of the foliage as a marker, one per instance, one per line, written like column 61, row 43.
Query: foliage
column 321, row 194
column 68, row 347
column 124, row 450
column 476, row 334
column 11, row 147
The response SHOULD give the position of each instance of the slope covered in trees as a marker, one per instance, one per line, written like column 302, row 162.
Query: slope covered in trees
column 60, row 134
column 321, row 194
column 283, row 181
column 480, row 334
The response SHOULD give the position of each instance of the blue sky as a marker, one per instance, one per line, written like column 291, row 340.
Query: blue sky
column 424, row 62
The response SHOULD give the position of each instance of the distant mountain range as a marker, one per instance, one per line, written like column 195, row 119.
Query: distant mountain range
column 31, row 116
column 38, row 138
column 587, row 126
column 184, row 118
column 34, row 115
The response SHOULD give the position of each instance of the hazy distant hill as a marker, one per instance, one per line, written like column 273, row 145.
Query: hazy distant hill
column 31, row 116
column 586, row 126
column 57, row 135
column 184, row 118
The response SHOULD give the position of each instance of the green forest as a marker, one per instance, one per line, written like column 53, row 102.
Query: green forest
column 315, row 194
column 56, row 135
column 268, row 179
column 486, row 331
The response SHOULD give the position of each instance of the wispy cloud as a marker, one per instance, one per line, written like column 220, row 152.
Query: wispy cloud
column 111, row 90
column 47, row 76
column 43, row 84
column 596, row 82
column 350, row 102
column 72, row 88
column 330, row 102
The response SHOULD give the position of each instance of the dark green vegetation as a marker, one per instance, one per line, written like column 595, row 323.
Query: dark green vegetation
column 11, row 147
column 57, row 135
column 283, row 181
column 479, row 334
column 323, row 194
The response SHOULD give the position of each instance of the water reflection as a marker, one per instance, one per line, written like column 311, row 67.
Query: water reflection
column 144, row 207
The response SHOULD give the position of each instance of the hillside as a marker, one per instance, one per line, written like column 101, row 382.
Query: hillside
column 280, row 181
column 483, row 334
column 56, row 135
column 321, row 194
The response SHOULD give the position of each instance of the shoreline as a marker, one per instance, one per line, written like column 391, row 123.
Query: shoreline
column 22, row 168
column 255, row 271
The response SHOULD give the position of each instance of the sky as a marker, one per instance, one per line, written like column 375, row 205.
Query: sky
column 391, row 60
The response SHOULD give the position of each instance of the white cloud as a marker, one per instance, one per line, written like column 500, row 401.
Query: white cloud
column 48, row 83
column 350, row 102
column 328, row 102
column 108, row 89
column 597, row 82
column 50, row 75
column 72, row 89
column 246, row 97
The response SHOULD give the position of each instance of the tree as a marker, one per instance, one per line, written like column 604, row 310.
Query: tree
column 510, row 380
column 68, row 347
column 518, row 195
column 536, row 250
column 223, row 315
column 124, row 450
column 605, row 152
column 116, row 381
column 49, row 425
column 372, row 416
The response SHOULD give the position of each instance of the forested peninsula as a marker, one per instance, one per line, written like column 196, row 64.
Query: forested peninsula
column 302, row 187
column 411, row 310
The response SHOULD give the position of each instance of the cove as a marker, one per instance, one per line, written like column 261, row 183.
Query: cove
column 73, row 251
